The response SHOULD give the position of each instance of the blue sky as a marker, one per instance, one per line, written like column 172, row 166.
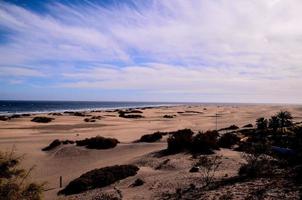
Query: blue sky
column 200, row 51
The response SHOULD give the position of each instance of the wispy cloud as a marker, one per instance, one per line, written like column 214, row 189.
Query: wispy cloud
column 202, row 47
column 19, row 72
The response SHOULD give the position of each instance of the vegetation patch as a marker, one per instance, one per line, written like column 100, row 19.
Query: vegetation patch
column 180, row 140
column 205, row 143
column 228, row 140
column 129, row 114
column 154, row 137
column 98, row 142
column 55, row 114
column 4, row 118
column 184, row 140
column 89, row 120
column 232, row 127
column 15, row 116
column 258, row 162
column 248, row 126
column 52, row 145
column 42, row 119
column 14, row 183
column 137, row 182
column 169, row 116
column 93, row 119
column 99, row 178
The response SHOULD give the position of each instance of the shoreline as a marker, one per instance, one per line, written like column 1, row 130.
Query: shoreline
column 172, row 104
column 89, row 109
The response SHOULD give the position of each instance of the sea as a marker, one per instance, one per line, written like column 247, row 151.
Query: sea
column 22, row 107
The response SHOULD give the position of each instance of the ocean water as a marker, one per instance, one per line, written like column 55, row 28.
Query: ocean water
column 20, row 107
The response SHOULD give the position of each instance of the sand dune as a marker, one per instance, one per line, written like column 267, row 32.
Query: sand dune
column 71, row 161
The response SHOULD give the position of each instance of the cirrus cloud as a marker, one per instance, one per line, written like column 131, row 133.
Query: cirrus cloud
column 243, row 49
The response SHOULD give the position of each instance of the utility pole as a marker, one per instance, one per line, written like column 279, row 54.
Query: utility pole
column 61, row 182
column 216, row 116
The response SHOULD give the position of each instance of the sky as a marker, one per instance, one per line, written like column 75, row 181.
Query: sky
column 153, row 50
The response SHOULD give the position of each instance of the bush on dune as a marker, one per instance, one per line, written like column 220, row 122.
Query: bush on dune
column 183, row 140
column 13, row 180
column 205, row 143
column 258, row 162
column 67, row 142
column 99, row 178
column 98, row 142
column 57, row 143
column 168, row 116
column 248, row 126
column 15, row 116
column 129, row 114
column 228, row 140
column 180, row 141
column 232, row 127
column 4, row 118
column 52, row 145
column 134, row 111
column 42, row 119
column 89, row 120
column 151, row 137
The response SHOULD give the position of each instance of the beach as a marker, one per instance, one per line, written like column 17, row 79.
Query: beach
column 70, row 161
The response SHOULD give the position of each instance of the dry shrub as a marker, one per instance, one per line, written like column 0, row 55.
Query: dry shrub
column 258, row 162
column 228, row 140
column 52, row 145
column 232, row 127
column 42, row 119
column 99, row 178
column 89, row 120
column 227, row 196
column 137, row 182
column 205, row 143
column 4, row 118
column 98, row 142
column 151, row 137
column 129, row 114
column 13, row 180
column 248, row 126
column 183, row 140
column 180, row 141
column 208, row 167
column 106, row 196
column 168, row 116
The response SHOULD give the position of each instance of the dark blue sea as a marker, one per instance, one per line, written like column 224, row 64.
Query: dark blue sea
column 20, row 107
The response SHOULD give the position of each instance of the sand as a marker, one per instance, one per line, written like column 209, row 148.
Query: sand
column 70, row 161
